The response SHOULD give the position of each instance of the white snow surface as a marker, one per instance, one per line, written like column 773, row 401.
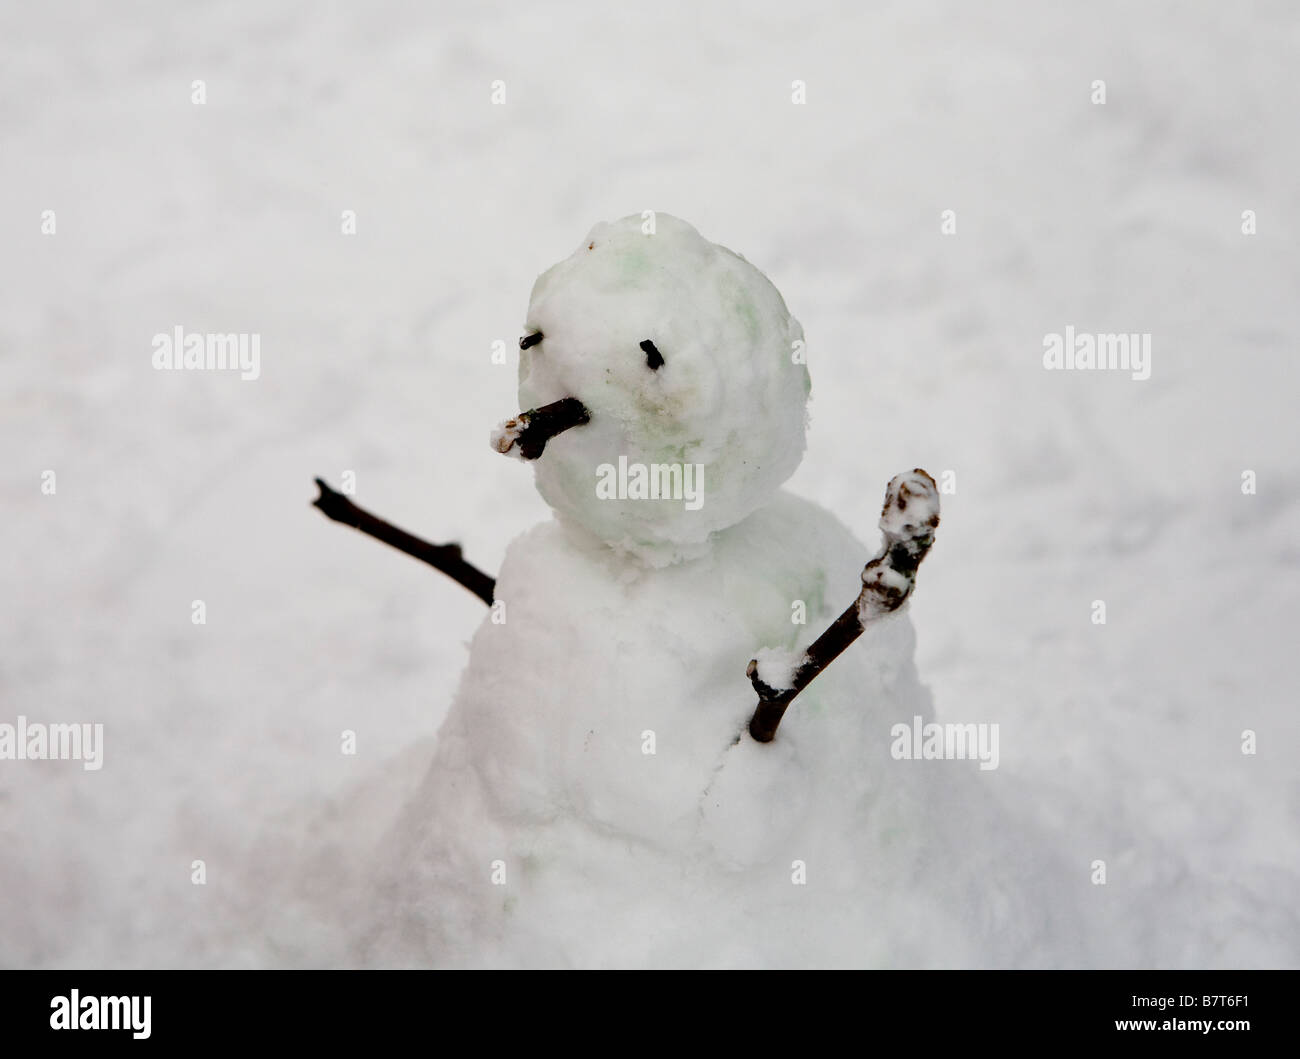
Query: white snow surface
column 1120, row 742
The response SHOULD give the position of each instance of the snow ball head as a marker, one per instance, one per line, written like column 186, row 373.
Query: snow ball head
column 666, row 394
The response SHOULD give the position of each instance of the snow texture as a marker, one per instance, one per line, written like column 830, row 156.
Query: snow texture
column 729, row 397
column 505, row 435
column 911, row 507
column 1120, row 742
column 776, row 667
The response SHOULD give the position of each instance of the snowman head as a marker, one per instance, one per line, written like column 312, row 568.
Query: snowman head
column 665, row 385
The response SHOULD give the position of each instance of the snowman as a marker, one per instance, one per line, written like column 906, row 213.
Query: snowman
column 603, row 790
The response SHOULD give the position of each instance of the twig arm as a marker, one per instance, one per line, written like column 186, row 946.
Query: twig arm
column 908, row 520
column 444, row 557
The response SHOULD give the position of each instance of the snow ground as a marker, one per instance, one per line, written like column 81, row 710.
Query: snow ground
column 925, row 350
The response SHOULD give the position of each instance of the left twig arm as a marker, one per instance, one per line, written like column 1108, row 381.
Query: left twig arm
column 444, row 557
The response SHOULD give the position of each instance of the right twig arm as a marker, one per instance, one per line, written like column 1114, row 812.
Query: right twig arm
column 908, row 520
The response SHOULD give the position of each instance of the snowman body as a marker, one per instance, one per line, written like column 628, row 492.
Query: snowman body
column 596, row 800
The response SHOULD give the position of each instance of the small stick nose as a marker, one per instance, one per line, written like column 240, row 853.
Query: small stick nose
column 527, row 433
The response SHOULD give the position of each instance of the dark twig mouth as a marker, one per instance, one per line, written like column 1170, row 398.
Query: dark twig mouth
column 527, row 434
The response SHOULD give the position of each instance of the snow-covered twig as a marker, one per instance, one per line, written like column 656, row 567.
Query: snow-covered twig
column 444, row 557
column 908, row 521
column 527, row 434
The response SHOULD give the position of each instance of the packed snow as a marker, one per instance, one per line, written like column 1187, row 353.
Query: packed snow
column 777, row 665
column 725, row 403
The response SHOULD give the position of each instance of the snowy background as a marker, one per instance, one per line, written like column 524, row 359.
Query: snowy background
column 1124, row 740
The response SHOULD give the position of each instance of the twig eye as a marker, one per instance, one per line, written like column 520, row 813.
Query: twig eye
column 530, row 340
column 653, row 358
